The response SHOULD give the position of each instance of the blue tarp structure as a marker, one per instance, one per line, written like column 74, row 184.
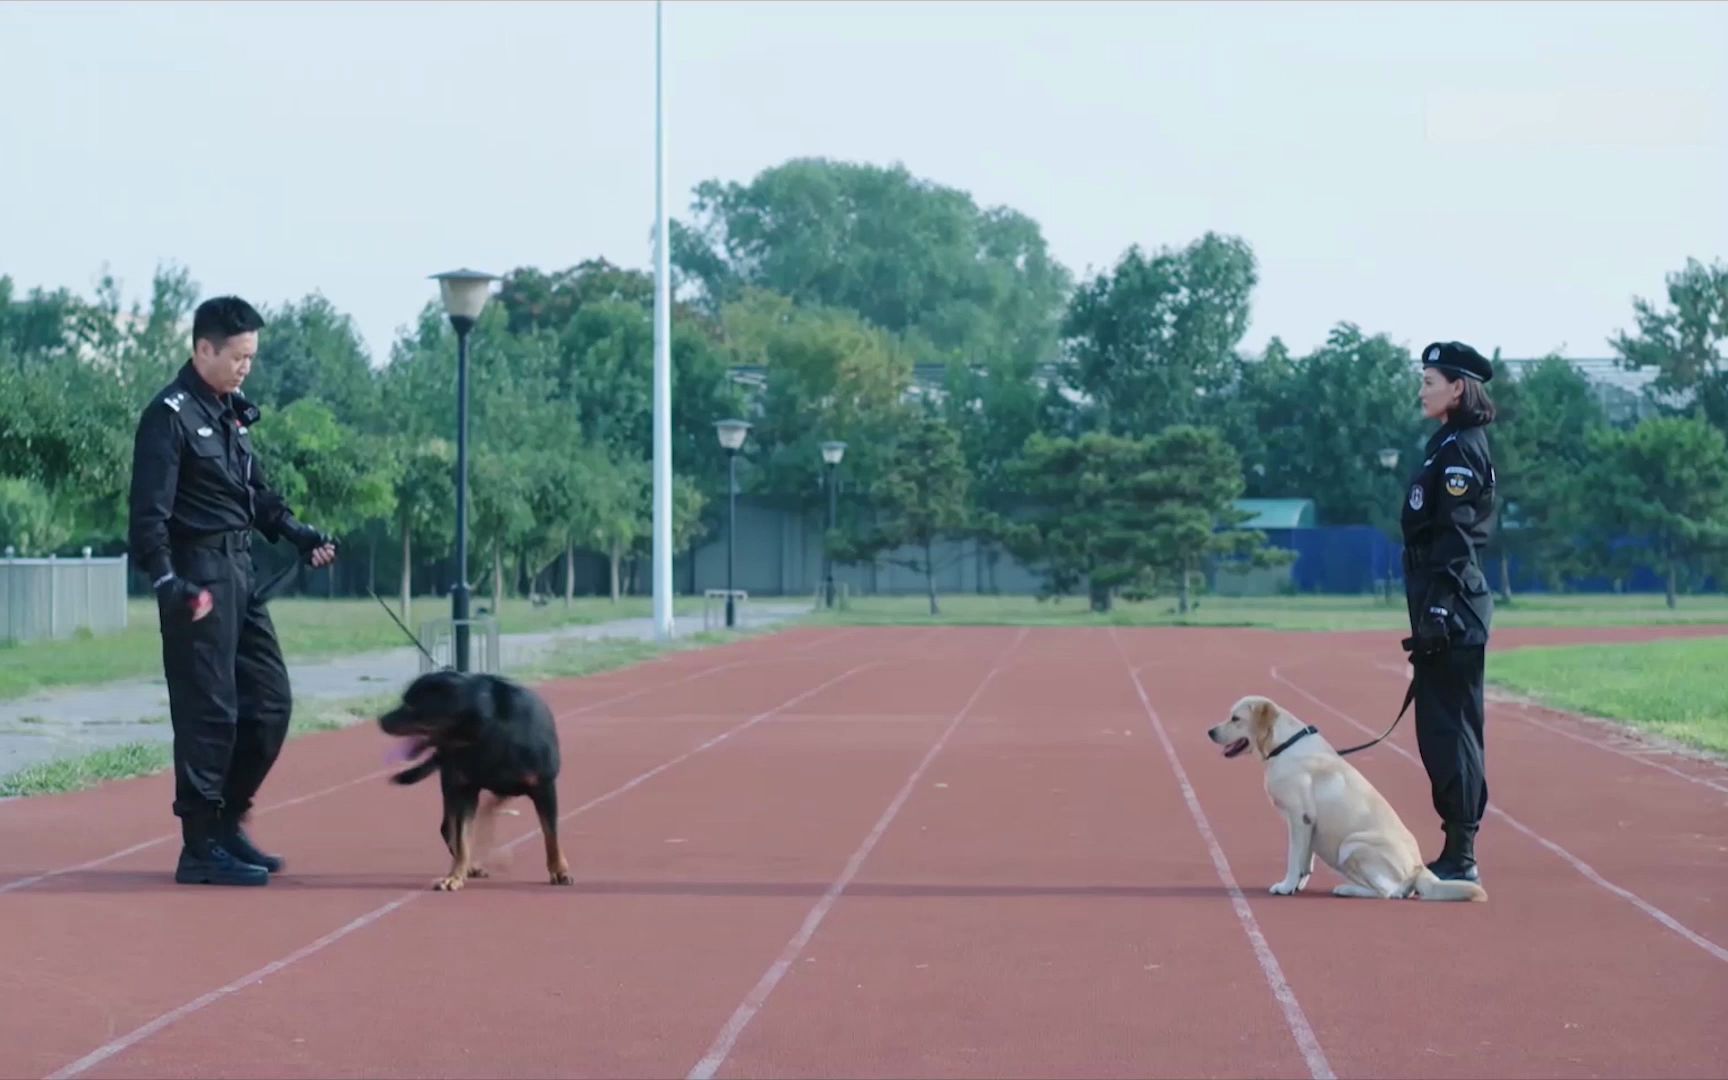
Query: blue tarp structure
column 1359, row 558
column 1339, row 558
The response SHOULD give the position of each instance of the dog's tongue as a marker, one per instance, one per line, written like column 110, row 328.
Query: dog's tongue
column 403, row 750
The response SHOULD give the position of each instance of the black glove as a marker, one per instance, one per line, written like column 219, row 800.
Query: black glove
column 305, row 538
column 1431, row 634
column 178, row 592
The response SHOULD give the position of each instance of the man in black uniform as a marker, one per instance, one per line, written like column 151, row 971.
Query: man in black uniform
column 1448, row 513
column 197, row 494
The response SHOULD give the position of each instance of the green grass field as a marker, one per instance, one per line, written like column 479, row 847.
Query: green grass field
column 308, row 629
column 1674, row 689
column 1297, row 613
column 569, row 660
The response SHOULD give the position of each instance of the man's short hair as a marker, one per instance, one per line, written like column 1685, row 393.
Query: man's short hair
column 222, row 317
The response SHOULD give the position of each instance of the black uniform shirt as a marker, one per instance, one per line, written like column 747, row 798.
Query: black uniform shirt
column 1448, row 516
column 194, row 474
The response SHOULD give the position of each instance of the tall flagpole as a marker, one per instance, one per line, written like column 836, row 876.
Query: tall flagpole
column 662, row 358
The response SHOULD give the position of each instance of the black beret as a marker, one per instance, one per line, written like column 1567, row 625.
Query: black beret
column 1455, row 356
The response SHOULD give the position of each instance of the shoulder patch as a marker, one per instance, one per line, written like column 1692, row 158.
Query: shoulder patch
column 1458, row 480
column 173, row 400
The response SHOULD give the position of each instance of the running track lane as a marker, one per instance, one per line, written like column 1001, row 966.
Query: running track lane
column 1042, row 906
column 1383, row 1008
column 44, row 836
column 103, row 950
column 1556, row 975
column 550, row 981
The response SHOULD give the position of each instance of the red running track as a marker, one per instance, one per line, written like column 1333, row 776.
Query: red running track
column 896, row 852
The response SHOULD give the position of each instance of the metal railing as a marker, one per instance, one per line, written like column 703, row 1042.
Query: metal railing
column 439, row 637
column 54, row 598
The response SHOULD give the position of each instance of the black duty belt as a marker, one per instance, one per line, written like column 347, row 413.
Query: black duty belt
column 231, row 540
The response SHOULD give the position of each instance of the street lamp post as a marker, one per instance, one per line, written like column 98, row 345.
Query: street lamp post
column 832, row 452
column 464, row 293
column 731, row 434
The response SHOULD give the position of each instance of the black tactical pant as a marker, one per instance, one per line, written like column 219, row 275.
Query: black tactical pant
column 228, row 693
column 1449, row 714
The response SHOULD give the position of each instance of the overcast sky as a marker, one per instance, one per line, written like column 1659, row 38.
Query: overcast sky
column 1509, row 175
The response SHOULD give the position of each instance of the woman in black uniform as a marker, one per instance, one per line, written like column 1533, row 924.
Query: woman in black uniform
column 1448, row 512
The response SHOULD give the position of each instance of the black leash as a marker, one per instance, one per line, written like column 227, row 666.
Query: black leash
column 407, row 631
column 274, row 585
column 1409, row 696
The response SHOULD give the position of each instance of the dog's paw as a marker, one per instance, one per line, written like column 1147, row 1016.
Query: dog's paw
column 479, row 872
column 449, row 884
column 563, row 877
column 1285, row 888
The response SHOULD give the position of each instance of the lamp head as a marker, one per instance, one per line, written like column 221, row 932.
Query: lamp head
column 832, row 452
column 731, row 434
column 464, row 293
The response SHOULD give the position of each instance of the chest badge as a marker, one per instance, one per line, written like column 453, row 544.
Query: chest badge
column 1415, row 496
column 205, row 431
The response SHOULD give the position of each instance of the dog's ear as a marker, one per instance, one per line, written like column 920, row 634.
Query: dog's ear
column 1262, row 718
column 1263, row 715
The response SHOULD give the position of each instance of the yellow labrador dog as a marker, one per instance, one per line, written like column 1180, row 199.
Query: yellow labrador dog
column 1332, row 811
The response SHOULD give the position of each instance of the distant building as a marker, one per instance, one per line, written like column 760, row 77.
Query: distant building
column 1625, row 394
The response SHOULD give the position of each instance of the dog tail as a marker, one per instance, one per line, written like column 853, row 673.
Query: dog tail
column 416, row 773
column 1429, row 887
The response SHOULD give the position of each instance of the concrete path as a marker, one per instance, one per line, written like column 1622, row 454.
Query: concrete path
column 76, row 720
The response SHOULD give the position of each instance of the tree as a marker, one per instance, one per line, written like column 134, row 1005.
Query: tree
column 1657, row 491
column 312, row 350
column 828, row 376
column 1190, row 490
column 1130, row 515
column 1151, row 340
column 535, row 300
column 501, row 490
column 41, row 328
column 1313, row 428
column 68, row 427
column 333, row 478
column 915, row 258
column 1541, row 441
column 29, row 520
column 425, row 502
column 922, row 498
column 689, row 505
column 1688, row 343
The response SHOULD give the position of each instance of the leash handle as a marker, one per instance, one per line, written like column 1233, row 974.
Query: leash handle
column 1409, row 696
column 269, row 589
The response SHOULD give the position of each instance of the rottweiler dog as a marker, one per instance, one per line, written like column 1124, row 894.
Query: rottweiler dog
column 487, row 735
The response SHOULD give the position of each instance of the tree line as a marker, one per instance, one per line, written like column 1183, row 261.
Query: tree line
column 1099, row 429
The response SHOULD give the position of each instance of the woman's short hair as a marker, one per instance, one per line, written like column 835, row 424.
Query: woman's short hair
column 1475, row 408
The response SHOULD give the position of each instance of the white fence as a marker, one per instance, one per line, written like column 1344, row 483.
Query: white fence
column 44, row 599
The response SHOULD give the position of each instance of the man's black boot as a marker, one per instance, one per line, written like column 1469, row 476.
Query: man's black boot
column 204, row 861
column 232, row 836
column 1457, row 861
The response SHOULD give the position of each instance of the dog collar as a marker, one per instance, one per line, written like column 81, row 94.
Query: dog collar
column 1293, row 740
